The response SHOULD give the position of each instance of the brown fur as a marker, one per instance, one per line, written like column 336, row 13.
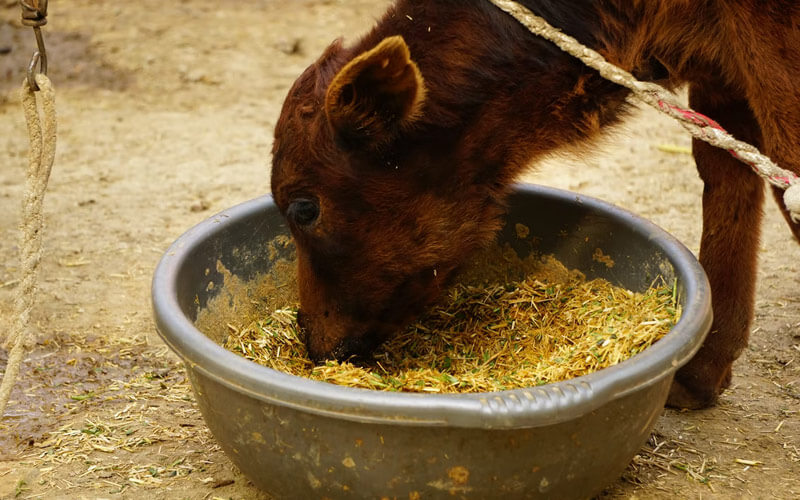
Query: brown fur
column 409, row 140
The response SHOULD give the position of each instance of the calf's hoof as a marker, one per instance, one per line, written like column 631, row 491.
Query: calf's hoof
column 693, row 391
column 681, row 397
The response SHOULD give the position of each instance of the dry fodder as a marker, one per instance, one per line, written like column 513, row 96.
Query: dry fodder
column 485, row 338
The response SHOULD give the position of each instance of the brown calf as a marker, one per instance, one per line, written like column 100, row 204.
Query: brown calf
column 393, row 157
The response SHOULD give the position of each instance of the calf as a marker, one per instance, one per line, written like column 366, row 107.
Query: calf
column 393, row 157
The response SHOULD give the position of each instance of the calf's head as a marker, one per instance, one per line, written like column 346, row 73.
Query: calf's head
column 374, row 197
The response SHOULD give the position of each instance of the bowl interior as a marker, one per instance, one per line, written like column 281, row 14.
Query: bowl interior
column 234, row 246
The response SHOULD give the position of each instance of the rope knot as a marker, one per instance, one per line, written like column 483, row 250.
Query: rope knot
column 791, row 197
column 34, row 12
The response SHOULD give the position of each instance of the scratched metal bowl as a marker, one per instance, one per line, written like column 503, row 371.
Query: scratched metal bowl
column 297, row 438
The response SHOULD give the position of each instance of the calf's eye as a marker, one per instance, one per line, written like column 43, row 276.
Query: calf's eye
column 303, row 212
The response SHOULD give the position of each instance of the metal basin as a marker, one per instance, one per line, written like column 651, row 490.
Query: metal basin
column 297, row 438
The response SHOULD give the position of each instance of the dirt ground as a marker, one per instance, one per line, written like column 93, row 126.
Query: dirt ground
column 166, row 112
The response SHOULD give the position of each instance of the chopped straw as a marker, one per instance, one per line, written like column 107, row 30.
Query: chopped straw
column 488, row 338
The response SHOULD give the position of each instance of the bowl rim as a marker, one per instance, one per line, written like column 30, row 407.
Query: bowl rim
column 514, row 408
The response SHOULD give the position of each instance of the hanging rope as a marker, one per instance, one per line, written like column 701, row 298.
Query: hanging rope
column 698, row 125
column 40, row 162
column 42, row 135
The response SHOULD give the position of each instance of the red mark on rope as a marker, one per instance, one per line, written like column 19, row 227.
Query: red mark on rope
column 702, row 120
column 692, row 116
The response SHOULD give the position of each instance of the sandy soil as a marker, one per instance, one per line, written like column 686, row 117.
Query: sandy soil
column 166, row 112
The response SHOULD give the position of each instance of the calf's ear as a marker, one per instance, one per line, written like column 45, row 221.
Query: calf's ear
column 375, row 95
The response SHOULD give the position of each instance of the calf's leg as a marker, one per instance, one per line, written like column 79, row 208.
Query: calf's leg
column 732, row 210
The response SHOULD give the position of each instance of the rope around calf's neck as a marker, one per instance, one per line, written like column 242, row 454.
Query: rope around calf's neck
column 698, row 125
column 40, row 163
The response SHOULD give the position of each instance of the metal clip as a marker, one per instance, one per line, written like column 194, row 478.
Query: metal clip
column 35, row 15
